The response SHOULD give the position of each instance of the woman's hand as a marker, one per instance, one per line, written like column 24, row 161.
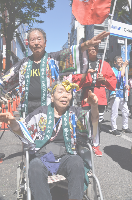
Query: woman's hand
column 10, row 120
column 125, row 63
column 91, row 71
column 101, row 78
column 6, row 117
column 127, row 87
column 96, row 40
column 92, row 99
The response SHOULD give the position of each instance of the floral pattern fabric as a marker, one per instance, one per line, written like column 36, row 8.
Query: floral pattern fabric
column 35, row 126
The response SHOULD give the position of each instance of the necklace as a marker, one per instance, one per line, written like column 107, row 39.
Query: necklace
column 54, row 128
column 94, row 75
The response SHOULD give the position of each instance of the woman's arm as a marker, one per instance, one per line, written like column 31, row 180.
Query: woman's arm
column 123, row 68
column 93, row 101
column 11, row 121
column 94, row 41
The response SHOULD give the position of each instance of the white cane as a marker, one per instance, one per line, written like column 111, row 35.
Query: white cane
column 126, row 71
column 95, row 125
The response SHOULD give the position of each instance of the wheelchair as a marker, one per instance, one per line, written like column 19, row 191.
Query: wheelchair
column 93, row 191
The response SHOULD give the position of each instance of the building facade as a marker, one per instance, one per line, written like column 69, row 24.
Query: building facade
column 73, row 35
column 67, row 44
column 116, row 42
column 77, row 31
column 1, row 50
column 18, row 47
column 93, row 30
column 87, row 32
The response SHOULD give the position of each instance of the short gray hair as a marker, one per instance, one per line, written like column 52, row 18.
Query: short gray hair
column 36, row 29
column 116, row 58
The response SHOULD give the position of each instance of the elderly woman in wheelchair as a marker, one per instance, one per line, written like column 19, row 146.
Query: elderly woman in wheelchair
column 51, row 134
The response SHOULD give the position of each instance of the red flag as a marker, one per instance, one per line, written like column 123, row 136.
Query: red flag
column 89, row 12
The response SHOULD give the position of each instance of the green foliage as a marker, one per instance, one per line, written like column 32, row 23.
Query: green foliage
column 24, row 11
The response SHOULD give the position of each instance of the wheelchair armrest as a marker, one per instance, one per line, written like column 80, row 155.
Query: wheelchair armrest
column 25, row 149
column 84, row 142
column 85, row 154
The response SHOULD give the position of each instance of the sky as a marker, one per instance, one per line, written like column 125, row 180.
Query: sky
column 57, row 25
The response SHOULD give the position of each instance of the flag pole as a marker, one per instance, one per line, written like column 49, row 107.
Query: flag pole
column 109, row 27
column 126, row 71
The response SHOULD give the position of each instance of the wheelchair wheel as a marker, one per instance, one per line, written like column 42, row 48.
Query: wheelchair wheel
column 21, row 183
column 92, row 192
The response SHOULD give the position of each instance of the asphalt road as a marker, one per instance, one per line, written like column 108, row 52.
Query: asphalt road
column 113, row 169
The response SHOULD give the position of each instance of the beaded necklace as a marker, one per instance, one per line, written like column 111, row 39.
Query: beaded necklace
column 54, row 128
column 94, row 75
column 49, row 130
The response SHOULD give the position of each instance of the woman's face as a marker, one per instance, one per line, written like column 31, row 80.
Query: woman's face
column 119, row 62
column 61, row 98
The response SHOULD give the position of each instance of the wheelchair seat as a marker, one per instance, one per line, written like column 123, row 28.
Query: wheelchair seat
column 85, row 151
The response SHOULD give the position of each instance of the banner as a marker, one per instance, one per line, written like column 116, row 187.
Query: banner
column 89, row 12
column 121, row 30
column 123, row 52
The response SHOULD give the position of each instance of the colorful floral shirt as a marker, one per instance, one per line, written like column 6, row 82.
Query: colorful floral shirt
column 35, row 125
column 33, row 128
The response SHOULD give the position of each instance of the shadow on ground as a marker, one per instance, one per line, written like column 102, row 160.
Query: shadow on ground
column 104, row 121
column 105, row 128
column 121, row 155
column 1, row 197
column 13, row 155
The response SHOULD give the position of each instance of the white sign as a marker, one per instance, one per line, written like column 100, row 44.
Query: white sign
column 121, row 30
column 121, row 41
column 130, row 3
column 4, row 51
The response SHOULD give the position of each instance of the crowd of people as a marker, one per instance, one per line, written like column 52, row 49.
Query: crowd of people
column 53, row 126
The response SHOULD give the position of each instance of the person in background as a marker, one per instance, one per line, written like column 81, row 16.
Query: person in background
column 35, row 73
column 130, row 97
column 97, row 82
column 117, row 100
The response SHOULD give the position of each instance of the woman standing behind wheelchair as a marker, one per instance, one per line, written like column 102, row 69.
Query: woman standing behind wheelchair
column 130, row 97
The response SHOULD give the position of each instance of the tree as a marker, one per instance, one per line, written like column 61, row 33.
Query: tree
column 123, row 10
column 24, row 11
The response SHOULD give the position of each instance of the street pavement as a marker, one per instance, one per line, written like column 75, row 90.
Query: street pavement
column 113, row 169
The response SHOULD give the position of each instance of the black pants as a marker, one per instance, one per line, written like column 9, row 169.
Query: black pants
column 71, row 166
